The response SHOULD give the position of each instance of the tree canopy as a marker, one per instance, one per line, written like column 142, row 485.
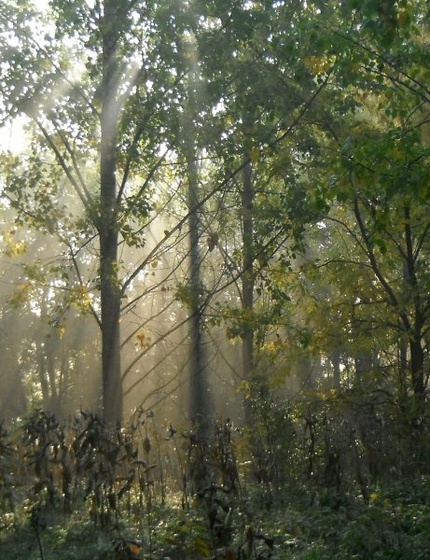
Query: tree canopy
column 199, row 177
column 215, row 278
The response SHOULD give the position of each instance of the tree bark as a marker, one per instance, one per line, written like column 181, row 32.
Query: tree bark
column 417, row 374
column 407, row 304
column 415, row 328
column 248, row 268
column 110, row 292
column 198, row 382
column 199, row 402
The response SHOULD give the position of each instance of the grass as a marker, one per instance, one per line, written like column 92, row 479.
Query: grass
column 393, row 526
column 115, row 497
column 65, row 537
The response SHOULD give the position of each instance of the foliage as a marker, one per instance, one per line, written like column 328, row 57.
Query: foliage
column 327, row 110
column 310, row 492
column 302, row 128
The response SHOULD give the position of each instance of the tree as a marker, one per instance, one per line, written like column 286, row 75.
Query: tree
column 110, row 23
column 95, row 102
column 199, row 400
column 371, row 194
column 262, row 97
column 382, row 181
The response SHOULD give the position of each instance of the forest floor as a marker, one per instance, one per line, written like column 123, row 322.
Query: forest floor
column 287, row 524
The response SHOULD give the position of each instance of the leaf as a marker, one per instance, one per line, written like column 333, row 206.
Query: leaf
column 203, row 546
column 255, row 154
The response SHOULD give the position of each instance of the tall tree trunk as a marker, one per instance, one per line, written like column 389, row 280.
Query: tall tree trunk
column 198, row 382
column 248, row 267
column 110, row 292
column 336, row 362
column 248, row 285
column 13, row 399
column 403, row 372
column 199, row 395
column 417, row 374
column 414, row 327
column 412, row 315
column 199, row 404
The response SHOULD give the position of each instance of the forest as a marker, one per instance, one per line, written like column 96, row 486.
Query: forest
column 215, row 279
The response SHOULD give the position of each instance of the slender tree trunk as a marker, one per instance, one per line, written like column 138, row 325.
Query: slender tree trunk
column 363, row 365
column 413, row 321
column 198, row 382
column 417, row 374
column 199, row 393
column 43, row 378
column 336, row 362
column 414, row 327
column 248, row 285
column 199, row 404
column 109, row 282
column 248, row 268
column 403, row 373
column 13, row 398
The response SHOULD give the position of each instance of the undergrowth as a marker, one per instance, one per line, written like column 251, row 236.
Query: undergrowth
column 79, row 491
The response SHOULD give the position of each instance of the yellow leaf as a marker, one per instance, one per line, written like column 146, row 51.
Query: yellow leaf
column 255, row 154
column 202, row 546
column 317, row 64
column 134, row 548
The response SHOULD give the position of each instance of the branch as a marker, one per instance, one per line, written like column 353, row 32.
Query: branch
column 81, row 193
column 390, row 63
column 374, row 264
